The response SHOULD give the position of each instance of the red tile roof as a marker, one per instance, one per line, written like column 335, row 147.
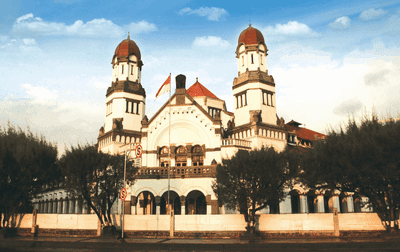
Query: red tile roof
column 199, row 90
column 250, row 36
column 126, row 48
column 307, row 134
column 304, row 133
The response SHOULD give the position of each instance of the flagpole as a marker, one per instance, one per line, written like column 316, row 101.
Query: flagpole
column 171, row 233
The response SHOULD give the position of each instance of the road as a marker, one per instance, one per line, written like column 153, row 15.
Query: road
column 98, row 244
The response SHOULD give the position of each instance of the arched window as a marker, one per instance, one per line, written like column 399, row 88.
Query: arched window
column 181, row 156
column 163, row 157
column 197, row 155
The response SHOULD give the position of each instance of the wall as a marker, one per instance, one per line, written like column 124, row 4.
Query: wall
column 321, row 222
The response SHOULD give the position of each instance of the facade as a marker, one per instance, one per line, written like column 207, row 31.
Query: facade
column 192, row 132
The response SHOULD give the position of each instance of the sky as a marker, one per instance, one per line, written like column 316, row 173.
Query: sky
column 330, row 59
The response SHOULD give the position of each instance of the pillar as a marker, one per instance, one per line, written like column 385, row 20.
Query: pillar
column 71, row 209
column 149, row 205
column 350, row 204
column 183, row 200
column 65, row 206
column 55, row 205
column 60, row 206
column 208, row 201
column 158, row 201
column 303, row 203
column 320, row 204
column 50, row 206
column 336, row 202
column 133, row 205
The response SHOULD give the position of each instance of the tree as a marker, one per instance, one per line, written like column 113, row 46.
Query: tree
column 27, row 163
column 96, row 176
column 362, row 158
column 251, row 180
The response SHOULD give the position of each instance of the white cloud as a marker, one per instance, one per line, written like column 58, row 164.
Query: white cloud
column 341, row 23
column 372, row 14
column 292, row 28
column 29, row 41
column 28, row 24
column 213, row 13
column 211, row 42
column 140, row 27
column 40, row 94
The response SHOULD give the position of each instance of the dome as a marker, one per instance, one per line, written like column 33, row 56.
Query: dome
column 251, row 36
column 126, row 48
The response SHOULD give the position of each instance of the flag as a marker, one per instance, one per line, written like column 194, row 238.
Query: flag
column 166, row 86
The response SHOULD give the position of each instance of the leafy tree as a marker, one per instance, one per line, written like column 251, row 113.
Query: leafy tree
column 362, row 158
column 96, row 176
column 27, row 162
column 251, row 180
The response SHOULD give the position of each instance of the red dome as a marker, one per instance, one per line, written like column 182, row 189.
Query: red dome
column 126, row 48
column 251, row 36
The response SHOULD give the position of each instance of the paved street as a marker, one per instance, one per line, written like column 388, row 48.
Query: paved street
column 135, row 244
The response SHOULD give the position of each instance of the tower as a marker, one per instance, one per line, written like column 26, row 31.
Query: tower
column 253, row 89
column 125, row 99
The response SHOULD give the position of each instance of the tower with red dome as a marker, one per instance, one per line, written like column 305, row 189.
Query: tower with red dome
column 253, row 89
column 125, row 99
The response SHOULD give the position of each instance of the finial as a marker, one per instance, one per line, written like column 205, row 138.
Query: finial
column 129, row 37
column 249, row 23
column 197, row 79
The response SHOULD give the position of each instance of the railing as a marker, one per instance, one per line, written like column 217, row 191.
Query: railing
column 177, row 172
column 235, row 142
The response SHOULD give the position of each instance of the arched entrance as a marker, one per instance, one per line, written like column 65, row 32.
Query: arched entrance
column 145, row 203
column 174, row 199
column 196, row 203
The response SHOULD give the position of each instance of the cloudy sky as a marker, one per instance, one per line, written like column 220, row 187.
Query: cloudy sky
column 329, row 60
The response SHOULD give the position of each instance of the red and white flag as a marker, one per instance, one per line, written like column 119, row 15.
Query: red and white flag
column 166, row 87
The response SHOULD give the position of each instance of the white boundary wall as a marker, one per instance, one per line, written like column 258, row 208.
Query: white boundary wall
column 229, row 222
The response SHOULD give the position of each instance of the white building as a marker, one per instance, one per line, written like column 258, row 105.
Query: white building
column 200, row 132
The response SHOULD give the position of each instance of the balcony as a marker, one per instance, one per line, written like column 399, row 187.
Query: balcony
column 232, row 142
column 177, row 172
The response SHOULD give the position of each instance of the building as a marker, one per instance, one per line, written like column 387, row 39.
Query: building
column 199, row 131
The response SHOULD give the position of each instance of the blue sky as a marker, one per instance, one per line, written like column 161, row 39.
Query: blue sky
column 329, row 59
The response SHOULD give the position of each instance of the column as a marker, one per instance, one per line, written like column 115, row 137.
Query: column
column 183, row 200
column 158, row 201
column 350, row 204
column 133, row 205
column 71, row 209
column 208, row 201
column 336, row 202
column 303, row 203
column 65, row 206
column 55, row 205
column 60, row 206
column 320, row 204
column 76, row 210
column 50, row 206
column 148, row 204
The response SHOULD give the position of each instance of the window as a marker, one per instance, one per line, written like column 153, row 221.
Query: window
column 213, row 111
column 181, row 156
column 122, row 69
column 261, row 59
column 132, row 107
column 242, row 60
column 131, row 69
column 267, row 98
column 252, row 60
column 241, row 100
column 163, row 157
column 197, row 156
